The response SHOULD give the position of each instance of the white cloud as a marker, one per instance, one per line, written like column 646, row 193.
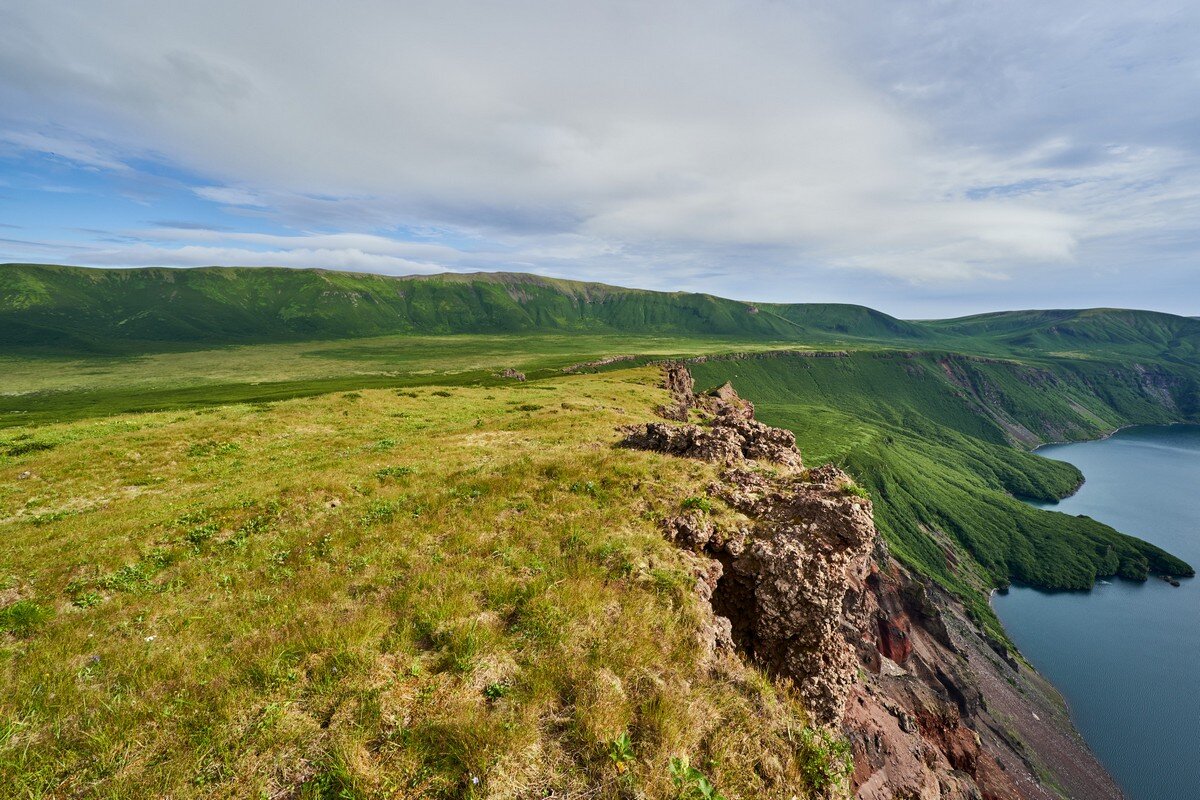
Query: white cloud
column 228, row 195
column 918, row 143
column 345, row 258
column 70, row 148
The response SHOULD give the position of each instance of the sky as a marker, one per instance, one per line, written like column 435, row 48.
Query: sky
column 929, row 158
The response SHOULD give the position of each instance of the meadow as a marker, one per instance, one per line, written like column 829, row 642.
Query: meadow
column 36, row 386
column 274, row 533
column 451, row 592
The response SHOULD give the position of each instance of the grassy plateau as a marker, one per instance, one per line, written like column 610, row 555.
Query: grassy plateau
column 283, row 533
column 433, row 592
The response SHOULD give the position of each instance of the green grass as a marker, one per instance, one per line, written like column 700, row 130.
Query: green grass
column 276, row 531
column 369, row 596
column 101, row 310
column 37, row 388
column 56, row 309
column 932, row 439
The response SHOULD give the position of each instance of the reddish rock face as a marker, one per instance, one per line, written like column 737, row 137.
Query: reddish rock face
column 893, row 637
column 808, row 590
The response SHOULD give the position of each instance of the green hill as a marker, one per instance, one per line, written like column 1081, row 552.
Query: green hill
column 931, row 437
column 59, row 308
column 935, row 416
column 72, row 307
column 1111, row 330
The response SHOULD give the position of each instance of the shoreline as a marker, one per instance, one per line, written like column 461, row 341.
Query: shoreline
column 1115, row 431
column 1081, row 690
column 1101, row 438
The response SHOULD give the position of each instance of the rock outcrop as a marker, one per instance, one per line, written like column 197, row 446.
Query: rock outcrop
column 782, row 580
column 806, row 588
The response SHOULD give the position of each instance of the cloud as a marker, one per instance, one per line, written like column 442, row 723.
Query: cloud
column 348, row 258
column 358, row 242
column 228, row 195
column 921, row 142
column 67, row 147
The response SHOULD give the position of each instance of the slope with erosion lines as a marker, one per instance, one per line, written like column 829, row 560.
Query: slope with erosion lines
column 934, row 438
column 94, row 309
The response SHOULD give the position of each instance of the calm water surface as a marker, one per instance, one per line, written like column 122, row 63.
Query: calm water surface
column 1127, row 655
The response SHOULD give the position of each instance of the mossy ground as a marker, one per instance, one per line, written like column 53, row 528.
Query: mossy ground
column 460, row 592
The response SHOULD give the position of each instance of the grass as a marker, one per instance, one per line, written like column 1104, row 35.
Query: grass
column 256, row 600
column 344, row 562
column 56, row 309
column 108, row 310
column 38, row 387
column 930, row 438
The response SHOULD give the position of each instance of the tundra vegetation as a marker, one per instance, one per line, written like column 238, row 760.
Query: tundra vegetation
column 273, row 532
column 371, row 594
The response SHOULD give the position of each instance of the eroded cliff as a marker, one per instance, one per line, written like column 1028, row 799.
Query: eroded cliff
column 804, row 585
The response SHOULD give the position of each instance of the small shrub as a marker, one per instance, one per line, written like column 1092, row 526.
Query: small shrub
column 825, row 760
column 529, row 407
column 441, row 393
column 852, row 489
column 620, row 752
column 690, row 782
column 393, row 472
column 698, row 503
column 197, row 535
column 496, row 691
column 86, row 599
column 23, row 617
column 24, row 448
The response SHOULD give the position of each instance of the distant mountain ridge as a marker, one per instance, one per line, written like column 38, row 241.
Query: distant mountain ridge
column 56, row 305
column 1098, row 326
column 96, row 309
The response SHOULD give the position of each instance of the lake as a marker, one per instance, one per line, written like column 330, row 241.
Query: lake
column 1127, row 655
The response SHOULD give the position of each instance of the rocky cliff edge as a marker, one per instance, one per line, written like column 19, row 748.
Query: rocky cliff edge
column 806, row 588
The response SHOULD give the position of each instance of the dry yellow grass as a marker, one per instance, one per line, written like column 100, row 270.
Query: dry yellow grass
column 425, row 593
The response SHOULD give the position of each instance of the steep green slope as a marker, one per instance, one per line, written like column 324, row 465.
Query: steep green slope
column 932, row 437
column 1109, row 331
column 57, row 308
column 71, row 307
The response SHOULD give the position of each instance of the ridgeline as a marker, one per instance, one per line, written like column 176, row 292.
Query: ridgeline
column 435, row 570
column 935, row 417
